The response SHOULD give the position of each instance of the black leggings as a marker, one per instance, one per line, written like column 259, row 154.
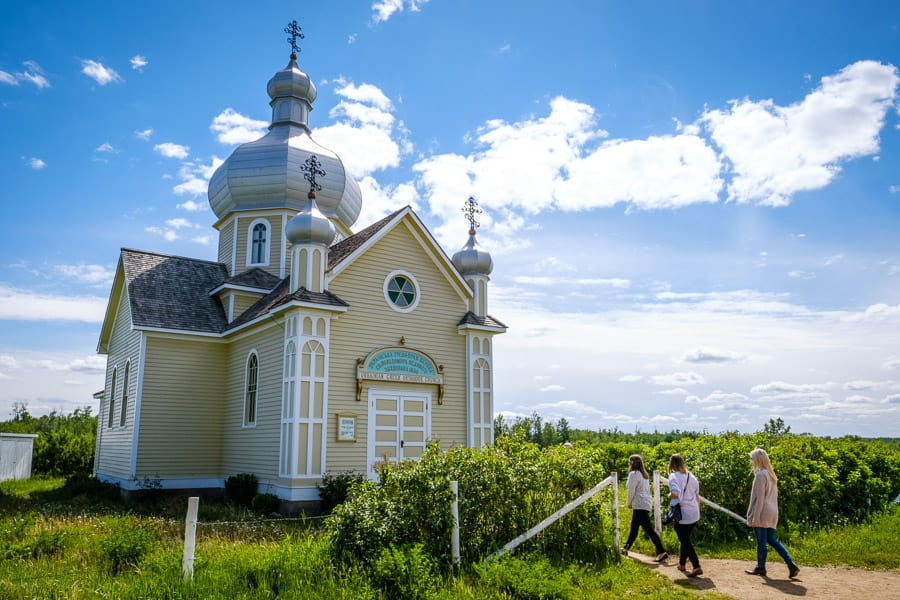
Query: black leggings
column 641, row 519
column 687, row 548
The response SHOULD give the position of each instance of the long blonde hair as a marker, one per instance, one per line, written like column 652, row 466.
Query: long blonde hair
column 760, row 460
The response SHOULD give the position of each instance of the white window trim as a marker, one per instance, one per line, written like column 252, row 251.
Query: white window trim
column 415, row 283
column 245, row 424
column 111, row 405
column 268, row 245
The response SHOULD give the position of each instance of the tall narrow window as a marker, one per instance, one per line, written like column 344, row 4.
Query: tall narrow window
column 259, row 243
column 112, row 400
column 250, row 396
column 124, row 396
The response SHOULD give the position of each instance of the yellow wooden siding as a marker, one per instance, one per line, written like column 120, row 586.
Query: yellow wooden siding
column 226, row 241
column 242, row 302
column 181, row 409
column 115, row 443
column 370, row 323
column 275, row 241
column 253, row 449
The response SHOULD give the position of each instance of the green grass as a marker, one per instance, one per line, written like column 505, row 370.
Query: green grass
column 57, row 547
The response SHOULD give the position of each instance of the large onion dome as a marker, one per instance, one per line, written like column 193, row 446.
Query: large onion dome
column 472, row 259
column 265, row 174
column 310, row 226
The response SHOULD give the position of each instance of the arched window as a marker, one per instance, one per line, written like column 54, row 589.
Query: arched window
column 251, row 390
column 112, row 399
column 124, row 396
column 258, row 243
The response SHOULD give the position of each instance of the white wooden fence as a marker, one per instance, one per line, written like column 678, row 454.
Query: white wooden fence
column 657, row 506
column 611, row 481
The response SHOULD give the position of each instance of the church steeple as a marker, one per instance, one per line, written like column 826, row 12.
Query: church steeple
column 474, row 262
column 310, row 233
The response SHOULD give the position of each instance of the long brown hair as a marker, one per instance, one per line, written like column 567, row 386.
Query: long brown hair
column 676, row 463
column 636, row 463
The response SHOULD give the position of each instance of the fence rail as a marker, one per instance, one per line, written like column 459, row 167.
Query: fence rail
column 611, row 481
column 657, row 505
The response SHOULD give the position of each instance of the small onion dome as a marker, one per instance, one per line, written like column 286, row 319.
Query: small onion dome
column 472, row 259
column 263, row 174
column 291, row 81
column 310, row 226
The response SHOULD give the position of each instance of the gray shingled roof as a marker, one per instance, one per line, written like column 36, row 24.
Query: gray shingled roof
column 172, row 292
column 338, row 252
column 255, row 278
column 280, row 296
column 470, row 319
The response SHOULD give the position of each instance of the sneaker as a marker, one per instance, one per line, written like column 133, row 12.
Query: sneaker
column 793, row 570
column 695, row 573
column 757, row 571
column 681, row 568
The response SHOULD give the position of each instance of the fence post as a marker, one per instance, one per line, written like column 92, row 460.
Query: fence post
column 190, row 532
column 615, row 506
column 657, row 516
column 454, row 510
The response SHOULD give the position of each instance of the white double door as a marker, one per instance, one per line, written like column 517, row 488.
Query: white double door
column 399, row 426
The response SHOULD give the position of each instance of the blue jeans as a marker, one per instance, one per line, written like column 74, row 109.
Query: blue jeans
column 766, row 536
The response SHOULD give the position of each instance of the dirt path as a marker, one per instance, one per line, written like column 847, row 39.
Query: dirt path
column 726, row 576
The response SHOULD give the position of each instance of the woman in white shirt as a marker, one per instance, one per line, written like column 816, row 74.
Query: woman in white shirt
column 638, row 500
column 684, row 489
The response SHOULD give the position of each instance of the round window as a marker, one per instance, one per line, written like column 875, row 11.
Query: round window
column 401, row 291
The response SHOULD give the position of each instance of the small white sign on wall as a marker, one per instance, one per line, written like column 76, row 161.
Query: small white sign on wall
column 346, row 427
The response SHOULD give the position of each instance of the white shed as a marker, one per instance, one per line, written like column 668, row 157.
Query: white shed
column 15, row 455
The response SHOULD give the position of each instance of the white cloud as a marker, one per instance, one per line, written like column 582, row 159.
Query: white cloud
column 631, row 378
column 364, row 93
column 891, row 364
column 674, row 392
column 32, row 74
column 170, row 235
column 195, row 180
column 806, row 275
column 100, row 73
column 192, row 206
column 26, row 305
column 553, row 388
column 36, row 163
column 96, row 275
column 385, row 9
column 231, row 127
column 711, row 355
column 351, row 39
column 781, row 387
column 777, row 151
column 180, row 223
column 105, row 147
column 875, row 312
column 138, row 62
column 833, row 259
column 678, row 379
column 170, row 150
column 576, row 282
column 894, row 189
column 143, row 134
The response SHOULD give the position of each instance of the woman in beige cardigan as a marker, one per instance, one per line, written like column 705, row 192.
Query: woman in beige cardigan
column 762, row 514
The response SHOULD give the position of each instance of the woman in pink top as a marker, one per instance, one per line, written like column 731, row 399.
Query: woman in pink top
column 762, row 514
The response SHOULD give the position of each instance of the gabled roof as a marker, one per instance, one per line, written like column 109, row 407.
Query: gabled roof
column 280, row 296
column 172, row 292
column 345, row 252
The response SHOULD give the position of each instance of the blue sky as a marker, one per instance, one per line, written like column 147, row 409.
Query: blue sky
column 692, row 207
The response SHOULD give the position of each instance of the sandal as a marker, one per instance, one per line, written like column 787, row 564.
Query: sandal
column 681, row 568
column 696, row 572
column 662, row 556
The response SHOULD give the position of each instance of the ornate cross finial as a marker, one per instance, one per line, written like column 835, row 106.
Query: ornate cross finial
column 471, row 209
column 293, row 30
column 312, row 167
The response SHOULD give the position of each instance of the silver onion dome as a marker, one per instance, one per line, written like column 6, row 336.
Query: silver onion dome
column 472, row 259
column 310, row 225
column 264, row 174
